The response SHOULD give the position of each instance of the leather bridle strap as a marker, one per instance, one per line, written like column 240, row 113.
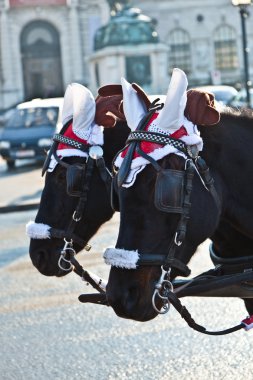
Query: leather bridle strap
column 182, row 310
column 77, row 215
column 59, row 138
column 126, row 164
column 208, row 180
column 171, row 261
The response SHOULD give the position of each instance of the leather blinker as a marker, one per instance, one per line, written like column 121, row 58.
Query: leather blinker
column 169, row 191
column 74, row 176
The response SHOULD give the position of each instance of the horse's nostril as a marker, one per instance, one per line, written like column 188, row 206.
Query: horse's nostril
column 123, row 302
column 39, row 258
column 131, row 297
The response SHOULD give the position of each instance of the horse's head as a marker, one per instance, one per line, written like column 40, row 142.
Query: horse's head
column 163, row 205
column 75, row 200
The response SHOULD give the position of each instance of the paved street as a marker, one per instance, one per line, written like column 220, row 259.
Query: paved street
column 46, row 334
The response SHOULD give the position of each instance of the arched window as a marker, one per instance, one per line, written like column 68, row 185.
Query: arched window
column 41, row 59
column 225, row 48
column 180, row 50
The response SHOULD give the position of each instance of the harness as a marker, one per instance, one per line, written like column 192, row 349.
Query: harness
column 179, row 183
column 177, row 201
column 78, row 178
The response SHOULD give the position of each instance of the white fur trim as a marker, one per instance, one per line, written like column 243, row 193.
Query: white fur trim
column 37, row 230
column 121, row 258
column 96, row 136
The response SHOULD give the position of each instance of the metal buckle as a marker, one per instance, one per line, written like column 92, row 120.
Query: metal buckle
column 76, row 219
column 162, row 288
column 68, row 248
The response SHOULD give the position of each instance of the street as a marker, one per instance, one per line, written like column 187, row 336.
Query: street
column 47, row 334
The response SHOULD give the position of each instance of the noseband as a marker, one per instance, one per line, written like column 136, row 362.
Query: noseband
column 78, row 178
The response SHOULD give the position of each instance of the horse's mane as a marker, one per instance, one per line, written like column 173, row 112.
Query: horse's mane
column 236, row 112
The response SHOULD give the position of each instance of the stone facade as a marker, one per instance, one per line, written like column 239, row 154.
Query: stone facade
column 201, row 35
column 74, row 25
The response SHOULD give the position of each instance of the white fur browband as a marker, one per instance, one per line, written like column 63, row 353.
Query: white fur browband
column 38, row 230
column 121, row 258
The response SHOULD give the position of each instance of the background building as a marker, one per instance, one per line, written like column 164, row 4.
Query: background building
column 47, row 44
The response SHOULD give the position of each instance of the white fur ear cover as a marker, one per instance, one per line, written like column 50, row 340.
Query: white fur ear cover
column 134, row 108
column 172, row 115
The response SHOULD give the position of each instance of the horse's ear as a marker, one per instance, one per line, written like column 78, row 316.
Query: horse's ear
column 141, row 93
column 200, row 108
column 109, row 108
column 110, row 90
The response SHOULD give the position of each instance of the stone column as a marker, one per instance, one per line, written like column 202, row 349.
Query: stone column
column 7, row 85
column 76, row 48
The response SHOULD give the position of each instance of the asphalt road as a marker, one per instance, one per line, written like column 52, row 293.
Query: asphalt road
column 46, row 334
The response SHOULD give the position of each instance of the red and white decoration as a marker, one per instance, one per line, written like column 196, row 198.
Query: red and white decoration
column 80, row 107
column 170, row 121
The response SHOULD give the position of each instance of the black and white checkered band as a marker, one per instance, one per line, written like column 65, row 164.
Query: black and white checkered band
column 71, row 142
column 157, row 138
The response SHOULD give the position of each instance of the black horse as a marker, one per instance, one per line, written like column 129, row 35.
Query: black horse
column 152, row 230
column 75, row 200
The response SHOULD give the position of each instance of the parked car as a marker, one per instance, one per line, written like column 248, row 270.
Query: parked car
column 28, row 132
column 5, row 115
column 223, row 94
column 240, row 99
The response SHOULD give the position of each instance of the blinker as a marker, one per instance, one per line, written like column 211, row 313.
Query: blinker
column 169, row 191
column 74, row 176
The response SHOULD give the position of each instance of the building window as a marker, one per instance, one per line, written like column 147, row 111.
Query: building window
column 138, row 69
column 225, row 48
column 180, row 50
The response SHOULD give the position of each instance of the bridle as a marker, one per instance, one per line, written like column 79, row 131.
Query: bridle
column 179, row 183
column 78, row 179
column 177, row 200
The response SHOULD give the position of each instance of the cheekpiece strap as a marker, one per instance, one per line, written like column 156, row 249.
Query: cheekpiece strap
column 71, row 142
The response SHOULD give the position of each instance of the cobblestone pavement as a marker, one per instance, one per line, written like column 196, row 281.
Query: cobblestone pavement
column 46, row 334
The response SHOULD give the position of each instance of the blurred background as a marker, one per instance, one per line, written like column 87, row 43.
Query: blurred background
column 47, row 44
